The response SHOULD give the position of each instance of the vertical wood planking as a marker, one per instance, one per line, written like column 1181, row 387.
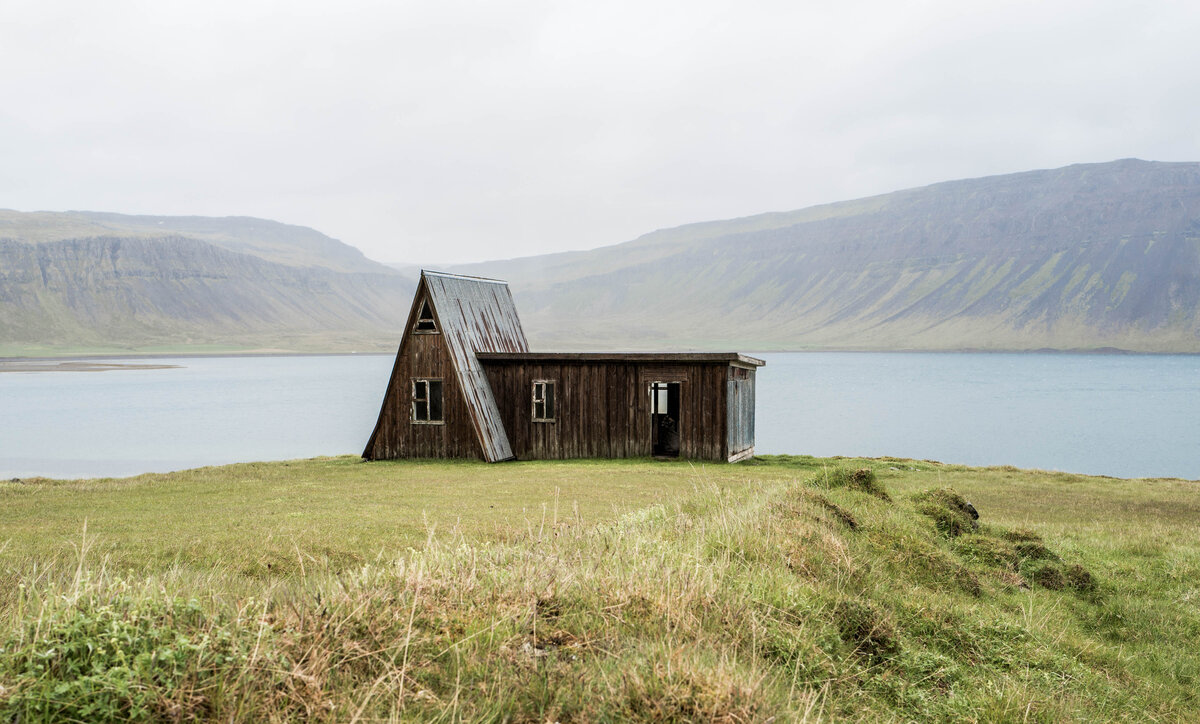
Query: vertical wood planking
column 603, row 405
column 603, row 408
column 397, row 436
column 740, row 410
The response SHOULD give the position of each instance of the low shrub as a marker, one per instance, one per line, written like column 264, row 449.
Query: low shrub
column 124, row 660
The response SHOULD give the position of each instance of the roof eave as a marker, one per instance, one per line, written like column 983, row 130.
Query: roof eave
column 735, row 358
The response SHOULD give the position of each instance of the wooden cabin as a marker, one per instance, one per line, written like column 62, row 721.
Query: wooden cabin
column 465, row 385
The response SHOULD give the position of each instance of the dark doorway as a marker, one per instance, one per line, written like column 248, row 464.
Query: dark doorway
column 664, row 419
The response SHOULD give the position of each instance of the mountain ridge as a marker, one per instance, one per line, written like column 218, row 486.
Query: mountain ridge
column 272, row 240
column 1082, row 257
column 1088, row 257
column 145, row 283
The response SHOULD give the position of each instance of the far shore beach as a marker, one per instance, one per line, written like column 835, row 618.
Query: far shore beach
column 16, row 365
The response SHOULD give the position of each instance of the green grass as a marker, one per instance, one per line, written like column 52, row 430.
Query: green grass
column 786, row 588
column 338, row 512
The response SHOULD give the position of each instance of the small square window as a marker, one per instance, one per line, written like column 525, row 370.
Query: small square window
column 427, row 401
column 543, row 401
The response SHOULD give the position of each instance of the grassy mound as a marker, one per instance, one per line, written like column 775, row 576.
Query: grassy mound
column 765, row 593
column 861, row 479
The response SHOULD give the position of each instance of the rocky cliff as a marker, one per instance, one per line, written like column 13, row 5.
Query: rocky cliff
column 139, row 292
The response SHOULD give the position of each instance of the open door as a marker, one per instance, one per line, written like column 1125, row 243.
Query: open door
column 664, row 419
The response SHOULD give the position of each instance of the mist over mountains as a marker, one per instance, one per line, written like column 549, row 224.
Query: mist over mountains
column 1089, row 256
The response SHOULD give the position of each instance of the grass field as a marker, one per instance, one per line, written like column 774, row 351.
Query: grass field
column 338, row 512
column 792, row 588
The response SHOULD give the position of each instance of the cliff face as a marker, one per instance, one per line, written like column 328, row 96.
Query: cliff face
column 174, row 290
column 1083, row 257
column 281, row 243
column 1089, row 256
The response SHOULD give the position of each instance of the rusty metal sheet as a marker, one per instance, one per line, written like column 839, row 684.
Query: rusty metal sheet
column 477, row 315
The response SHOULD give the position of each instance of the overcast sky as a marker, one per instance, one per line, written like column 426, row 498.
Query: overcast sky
column 451, row 131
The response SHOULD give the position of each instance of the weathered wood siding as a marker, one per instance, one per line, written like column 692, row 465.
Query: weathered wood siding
column 739, row 403
column 475, row 345
column 603, row 408
column 396, row 436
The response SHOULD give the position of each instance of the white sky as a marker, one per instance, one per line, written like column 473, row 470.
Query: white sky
column 455, row 131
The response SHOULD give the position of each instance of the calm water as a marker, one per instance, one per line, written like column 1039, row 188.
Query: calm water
column 1122, row 415
column 1113, row 415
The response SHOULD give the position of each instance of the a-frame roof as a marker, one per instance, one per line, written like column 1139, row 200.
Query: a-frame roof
column 477, row 315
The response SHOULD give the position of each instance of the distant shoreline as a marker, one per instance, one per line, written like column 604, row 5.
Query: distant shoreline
column 96, row 363
column 7, row 363
column 183, row 355
column 75, row 366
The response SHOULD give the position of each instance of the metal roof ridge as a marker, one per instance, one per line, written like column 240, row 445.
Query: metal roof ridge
column 685, row 356
column 618, row 351
column 448, row 275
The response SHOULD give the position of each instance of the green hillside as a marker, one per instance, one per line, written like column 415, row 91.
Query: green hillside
column 1084, row 257
column 1087, row 257
column 88, row 282
column 782, row 589
column 270, row 240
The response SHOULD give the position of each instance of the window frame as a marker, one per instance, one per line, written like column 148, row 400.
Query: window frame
column 414, row 400
column 433, row 329
column 660, row 391
column 535, row 400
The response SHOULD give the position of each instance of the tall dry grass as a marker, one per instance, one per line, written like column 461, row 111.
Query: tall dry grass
column 795, row 601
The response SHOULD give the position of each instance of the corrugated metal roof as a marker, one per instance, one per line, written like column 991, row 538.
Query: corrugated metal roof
column 477, row 315
column 706, row 357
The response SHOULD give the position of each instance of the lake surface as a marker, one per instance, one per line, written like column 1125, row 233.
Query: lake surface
column 1128, row 415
